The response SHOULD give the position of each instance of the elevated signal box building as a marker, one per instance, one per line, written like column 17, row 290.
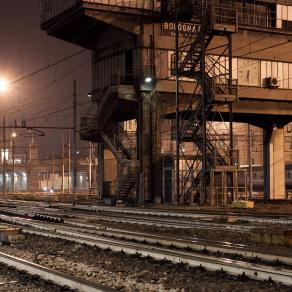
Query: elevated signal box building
column 172, row 80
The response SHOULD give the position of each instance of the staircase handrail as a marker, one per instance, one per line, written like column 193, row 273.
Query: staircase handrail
column 123, row 134
column 103, row 101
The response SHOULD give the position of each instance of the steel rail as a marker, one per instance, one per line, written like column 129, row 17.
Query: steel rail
column 194, row 214
column 77, row 236
column 232, row 267
column 171, row 223
column 198, row 215
column 51, row 275
column 190, row 243
column 135, row 219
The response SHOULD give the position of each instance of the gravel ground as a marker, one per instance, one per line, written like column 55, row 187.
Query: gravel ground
column 13, row 280
column 129, row 273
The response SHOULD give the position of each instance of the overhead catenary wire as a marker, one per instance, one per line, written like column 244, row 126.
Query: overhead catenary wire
column 34, row 103
column 49, row 66
column 58, row 111
column 52, row 82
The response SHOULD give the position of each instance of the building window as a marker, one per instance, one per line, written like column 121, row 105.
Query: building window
column 249, row 72
column 284, row 16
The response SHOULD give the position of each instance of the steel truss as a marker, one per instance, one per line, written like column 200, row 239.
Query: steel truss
column 210, row 67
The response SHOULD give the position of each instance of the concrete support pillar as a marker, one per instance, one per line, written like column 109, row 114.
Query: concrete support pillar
column 277, row 165
column 144, row 138
column 274, row 164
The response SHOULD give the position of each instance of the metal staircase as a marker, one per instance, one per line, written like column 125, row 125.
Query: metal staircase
column 116, row 138
column 126, row 183
column 214, row 85
column 96, row 122
column 124, row 150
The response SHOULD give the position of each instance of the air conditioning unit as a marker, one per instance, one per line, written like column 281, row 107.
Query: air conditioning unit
column 272, row 82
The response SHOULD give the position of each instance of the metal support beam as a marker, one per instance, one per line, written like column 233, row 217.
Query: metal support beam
column 177, row 115
column 230, row 83
column 203, row 195
column 250, row 160
column 231, row 146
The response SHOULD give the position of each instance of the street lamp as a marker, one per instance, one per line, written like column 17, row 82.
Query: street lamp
column 13, row 135
column 148, row 79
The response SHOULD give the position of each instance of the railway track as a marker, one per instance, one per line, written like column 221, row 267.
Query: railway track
column 170, row 222
column 252, row 216
column 47, row 274
column 195, row 215
column 130, row 242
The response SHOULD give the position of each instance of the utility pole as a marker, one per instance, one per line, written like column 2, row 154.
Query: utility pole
column 63, row 165
column 13, row 161
column 74, row 141
column 4, row 158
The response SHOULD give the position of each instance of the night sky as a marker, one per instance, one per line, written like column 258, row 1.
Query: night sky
column 45, row 98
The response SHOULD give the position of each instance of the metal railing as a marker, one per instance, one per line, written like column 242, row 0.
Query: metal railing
column 230, row 159
column 225, row 87
column 256, row 19
column 122, row 79
column 224, row 15
column 225, row 186
column 85, row 122
column 122, row 146
column 52, row 8
column 128, row 141
column 92, row 119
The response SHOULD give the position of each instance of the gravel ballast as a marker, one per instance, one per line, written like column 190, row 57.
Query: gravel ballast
column 129, row 273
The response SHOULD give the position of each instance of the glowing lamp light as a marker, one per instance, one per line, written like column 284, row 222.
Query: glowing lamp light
column 3, row 85
column 148, row 79
column 13, row 135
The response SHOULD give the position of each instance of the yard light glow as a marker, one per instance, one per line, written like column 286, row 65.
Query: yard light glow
column 3, row 85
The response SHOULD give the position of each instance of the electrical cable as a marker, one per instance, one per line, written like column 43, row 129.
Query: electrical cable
column 58, row 111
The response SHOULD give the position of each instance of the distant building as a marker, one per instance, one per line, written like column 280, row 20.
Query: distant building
column 33, row 173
